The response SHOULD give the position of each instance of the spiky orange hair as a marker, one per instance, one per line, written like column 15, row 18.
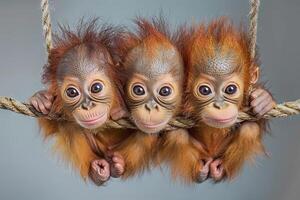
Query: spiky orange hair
column 89, row 33
column 148, row 34
column 201, row 43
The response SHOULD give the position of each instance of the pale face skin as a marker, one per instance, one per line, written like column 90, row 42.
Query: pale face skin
column 153, row 90
column 218, row 99
column 218, row 90
column 89, row 99
column 84, row 86
column 152, row 101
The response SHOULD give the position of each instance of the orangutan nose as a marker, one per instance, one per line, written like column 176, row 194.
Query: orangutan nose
column 219, row 104
column 87, row 105
column 151, row 106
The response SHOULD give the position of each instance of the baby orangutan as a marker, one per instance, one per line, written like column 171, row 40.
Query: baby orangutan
column 220, row 74
column 153, row 77
column 80, row 76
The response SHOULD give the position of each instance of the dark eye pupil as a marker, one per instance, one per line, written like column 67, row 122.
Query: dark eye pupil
column 165, row 91
column 231, row 89
column 72, row 92
column 138, row 90
column 204, row 90
column 96, row 88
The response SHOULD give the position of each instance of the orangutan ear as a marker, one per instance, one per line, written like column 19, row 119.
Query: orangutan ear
column 255, row 75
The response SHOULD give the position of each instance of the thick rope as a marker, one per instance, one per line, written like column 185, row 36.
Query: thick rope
column 281, row 110
column 46, row 22
column 253, row 18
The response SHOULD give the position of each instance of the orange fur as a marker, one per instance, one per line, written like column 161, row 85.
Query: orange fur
column 181, row 156
column 99, row 37
column 233, row 146
column 69, row 137
column 72, row 144
column 236, row 146
column 139, row 149
column 246, row 144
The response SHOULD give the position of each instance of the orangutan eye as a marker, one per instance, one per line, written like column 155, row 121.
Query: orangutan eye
column 138, row 90
column 205, row 90
column 231, row 89
column 96, row 88
column 165, row 91
column 72, row 92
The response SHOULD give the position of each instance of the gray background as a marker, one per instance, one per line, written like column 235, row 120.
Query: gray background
column 28, row 170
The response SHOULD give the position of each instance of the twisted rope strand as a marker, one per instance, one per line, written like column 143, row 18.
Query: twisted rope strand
column 46, row 22
column 253, row 15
